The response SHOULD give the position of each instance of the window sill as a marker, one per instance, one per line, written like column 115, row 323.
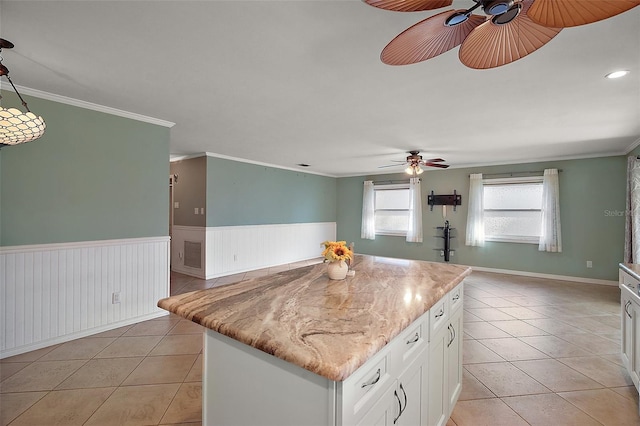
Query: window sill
column 517, row 240
column 392, row 234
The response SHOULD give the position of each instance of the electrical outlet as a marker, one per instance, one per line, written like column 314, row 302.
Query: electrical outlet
column 441, row 253
column 195, row 210
column 589, row 264
column 115, row 297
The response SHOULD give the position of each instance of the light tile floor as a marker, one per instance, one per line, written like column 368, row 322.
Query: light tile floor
column 536, row 352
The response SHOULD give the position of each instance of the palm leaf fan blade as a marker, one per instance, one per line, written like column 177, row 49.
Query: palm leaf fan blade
column 572, row 13
column 492, row 45
column 409, row 5
column 427, row 39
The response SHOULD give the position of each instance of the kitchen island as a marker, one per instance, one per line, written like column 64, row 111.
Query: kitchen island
column 297, row 348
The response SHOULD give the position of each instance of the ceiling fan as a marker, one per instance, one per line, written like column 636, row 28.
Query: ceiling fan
column 415, row 161
column 511, row 29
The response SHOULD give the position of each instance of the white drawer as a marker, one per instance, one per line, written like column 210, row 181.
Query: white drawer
column 455, row 298
column 438, row 315
column 410, row 343
column 628, row 281
column 365, row 386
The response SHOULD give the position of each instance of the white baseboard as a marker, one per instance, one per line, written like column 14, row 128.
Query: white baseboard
column 79, row 334
column 547, row 276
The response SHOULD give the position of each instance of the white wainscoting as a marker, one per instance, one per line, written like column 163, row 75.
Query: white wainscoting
column 53, row 293
column 235, row 249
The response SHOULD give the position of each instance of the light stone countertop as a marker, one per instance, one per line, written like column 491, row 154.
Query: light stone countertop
column 632, row 268
column 327, row 327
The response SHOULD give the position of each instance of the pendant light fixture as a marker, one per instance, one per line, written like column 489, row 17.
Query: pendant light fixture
column 17, row 127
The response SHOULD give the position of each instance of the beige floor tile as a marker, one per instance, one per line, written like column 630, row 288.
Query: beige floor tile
column 600, row 370
column 178, row 344
column 151, row 328
column 548, row 409
column 490, row 314
column 484, row 330
column 471, row 303
column 64, row 408
column 518, row 328
column 606, row 406
column 256, row 273
column 30, row 356
column 503, row 379
column 183, row 424
column 14, row 404
column 472, row 388
column 116, row 332
column 593, row 325
column 135, row 405
column 556, row 376
column 497, row 302
column 529, row 301
column 615, row 358
column 553, row 326
column 554, row 346
column 522, row 313
column 161, row 369
column 485, row 412
column 628, row 392
column 469, row 317
column 474, row 352
column 450, row 422
column 40, row 376
column 186, row 406
column 230, row 279
column 85, row 348
column 98, row 373
column 512, row 349
column 187, row 327
column 130, row 347
column 195, row 374
column 8, row 369
column 592, row 343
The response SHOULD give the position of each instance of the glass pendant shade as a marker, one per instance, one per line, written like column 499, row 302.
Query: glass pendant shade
column 17, row 127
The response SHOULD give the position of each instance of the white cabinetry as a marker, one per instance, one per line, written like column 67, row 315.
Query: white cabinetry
column 445, row 357
column 630, row 345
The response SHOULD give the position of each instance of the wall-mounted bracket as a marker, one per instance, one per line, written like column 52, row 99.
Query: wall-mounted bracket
column 444, row 200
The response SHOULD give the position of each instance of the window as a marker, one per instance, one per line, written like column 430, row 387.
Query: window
column 512, row 209
column 392, row 209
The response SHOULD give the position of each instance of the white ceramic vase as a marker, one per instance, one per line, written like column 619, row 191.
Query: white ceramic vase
column 337, row 270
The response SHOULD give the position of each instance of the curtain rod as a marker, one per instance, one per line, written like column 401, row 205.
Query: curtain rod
column 512, row 174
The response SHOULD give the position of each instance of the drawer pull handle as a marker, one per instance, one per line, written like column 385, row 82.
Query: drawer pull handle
column 415, row 339
column 441, row 313
column 626, row 305
column 456, row 297
column 395, row 393
column 372, row 381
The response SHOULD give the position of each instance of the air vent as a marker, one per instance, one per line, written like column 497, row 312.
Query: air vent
column 193, row 254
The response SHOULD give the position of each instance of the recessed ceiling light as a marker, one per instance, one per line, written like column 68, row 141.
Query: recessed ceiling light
column 617, row 74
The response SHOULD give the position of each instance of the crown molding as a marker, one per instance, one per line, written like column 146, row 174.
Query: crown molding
column 91, row 106
column 633, row 146
column 176, row 157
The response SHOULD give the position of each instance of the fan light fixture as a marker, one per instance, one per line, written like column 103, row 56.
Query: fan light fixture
column 413, row 169
column 17, row 127
column 617, row 74
column 509, row 29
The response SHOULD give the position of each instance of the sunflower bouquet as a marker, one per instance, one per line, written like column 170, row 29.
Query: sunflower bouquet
column 336, row 251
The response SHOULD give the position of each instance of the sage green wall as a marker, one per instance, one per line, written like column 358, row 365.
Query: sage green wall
column 591, row 191
column 190, row 191
column 248, row 194
column 92, row 176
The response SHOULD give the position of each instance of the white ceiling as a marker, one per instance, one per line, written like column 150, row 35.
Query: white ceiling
column 288, row 82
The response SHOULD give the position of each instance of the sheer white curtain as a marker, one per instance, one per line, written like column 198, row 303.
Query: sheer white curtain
column 368, row 212
column 632, row 213
column 475, row 216
column 550, row 236
column 414, row 232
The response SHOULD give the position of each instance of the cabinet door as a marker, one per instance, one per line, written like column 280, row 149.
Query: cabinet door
column 454, row 358
column 634, row 308
column 412, row 387
column 383, row 412
column 437, row 367
column 627, row 329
